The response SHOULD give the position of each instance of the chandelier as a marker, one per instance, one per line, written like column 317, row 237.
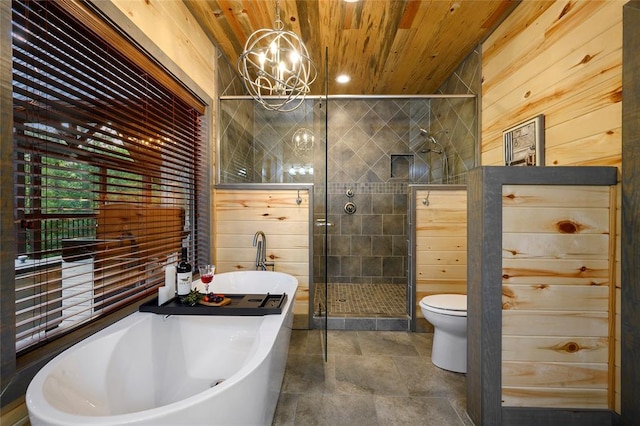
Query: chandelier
column 303, row 140
column 276, row 68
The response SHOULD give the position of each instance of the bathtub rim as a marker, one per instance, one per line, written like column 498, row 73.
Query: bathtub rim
column 268, row 330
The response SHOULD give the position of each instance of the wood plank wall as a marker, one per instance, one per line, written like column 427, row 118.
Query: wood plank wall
column 556, row 292
column 172, row 27
column 441, row 242
column 240, row 213
column 564, row 60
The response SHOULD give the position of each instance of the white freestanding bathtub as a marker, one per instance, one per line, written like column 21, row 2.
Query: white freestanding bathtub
column 150, row 369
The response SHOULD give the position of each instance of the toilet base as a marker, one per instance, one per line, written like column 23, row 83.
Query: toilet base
column 449, row 352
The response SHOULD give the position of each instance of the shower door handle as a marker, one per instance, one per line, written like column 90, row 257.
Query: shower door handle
column 323, row 222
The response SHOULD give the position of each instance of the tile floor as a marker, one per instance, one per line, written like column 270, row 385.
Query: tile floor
column 371, row 378
column 353, row 299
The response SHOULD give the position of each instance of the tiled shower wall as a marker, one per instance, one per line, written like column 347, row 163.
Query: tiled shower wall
column 370, row 156
column 459, row 117
column 236, row 148
column 277, row 158
column 255, row 144
column 369, row 246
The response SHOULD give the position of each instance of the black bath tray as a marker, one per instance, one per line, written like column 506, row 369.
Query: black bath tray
column 241, row 305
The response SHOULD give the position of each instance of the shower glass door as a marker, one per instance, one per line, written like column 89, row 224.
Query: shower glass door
column 260, row 146
column 369, row 167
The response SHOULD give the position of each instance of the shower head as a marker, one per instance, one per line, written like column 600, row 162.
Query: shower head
column 433, row 135
column 431, row 138
column 424, row 150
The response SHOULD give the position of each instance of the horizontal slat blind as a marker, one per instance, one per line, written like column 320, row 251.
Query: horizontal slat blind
column 106, row 168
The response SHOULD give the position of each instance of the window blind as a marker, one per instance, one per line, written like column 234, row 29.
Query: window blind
column 106, row 172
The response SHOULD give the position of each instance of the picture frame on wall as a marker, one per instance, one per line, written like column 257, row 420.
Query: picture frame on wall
column 523, row 144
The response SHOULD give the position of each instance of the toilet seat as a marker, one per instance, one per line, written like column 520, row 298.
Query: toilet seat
column 446, row 304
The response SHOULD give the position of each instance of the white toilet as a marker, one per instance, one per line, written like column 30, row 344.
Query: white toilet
column 448, row 315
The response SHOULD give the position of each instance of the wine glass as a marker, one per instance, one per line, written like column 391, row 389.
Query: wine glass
column 206, row 275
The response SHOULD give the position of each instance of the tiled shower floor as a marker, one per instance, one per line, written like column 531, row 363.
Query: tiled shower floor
column 354, row 300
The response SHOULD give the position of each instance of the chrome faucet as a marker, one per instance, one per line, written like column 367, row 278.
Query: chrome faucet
column 261, row 251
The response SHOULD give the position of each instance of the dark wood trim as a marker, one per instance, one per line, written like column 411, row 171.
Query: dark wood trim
column 484, row 281
column 7, row 242
column 560, row 417
column 484, row 316
column 630, row 227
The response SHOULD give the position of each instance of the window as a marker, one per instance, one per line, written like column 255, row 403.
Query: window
column 106, row 172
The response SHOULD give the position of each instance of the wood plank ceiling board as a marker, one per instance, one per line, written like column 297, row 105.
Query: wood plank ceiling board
column 388, row 47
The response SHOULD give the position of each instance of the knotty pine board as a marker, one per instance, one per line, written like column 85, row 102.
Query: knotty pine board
column 556, row 296
column 441, row 243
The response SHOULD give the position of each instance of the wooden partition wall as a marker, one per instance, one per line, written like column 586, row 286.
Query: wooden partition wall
column 557, row 291
column 440, row 240
column 541, row 311
column 283, row 214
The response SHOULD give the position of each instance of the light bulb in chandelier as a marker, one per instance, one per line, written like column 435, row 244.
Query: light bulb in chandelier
column 276, row 68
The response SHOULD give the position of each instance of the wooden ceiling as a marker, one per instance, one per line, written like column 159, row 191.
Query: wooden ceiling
column 388, row 47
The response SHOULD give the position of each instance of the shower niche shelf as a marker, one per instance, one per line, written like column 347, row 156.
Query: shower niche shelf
column 401, row 166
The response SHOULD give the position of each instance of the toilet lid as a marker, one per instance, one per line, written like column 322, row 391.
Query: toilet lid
column 446, row 302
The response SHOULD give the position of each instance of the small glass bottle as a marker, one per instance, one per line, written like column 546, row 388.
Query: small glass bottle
column 184, row 274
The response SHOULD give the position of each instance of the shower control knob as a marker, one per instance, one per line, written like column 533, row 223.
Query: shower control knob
column 349, row 208
column 350, row 193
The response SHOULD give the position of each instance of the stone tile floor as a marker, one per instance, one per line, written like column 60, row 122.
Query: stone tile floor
column 353, row 299
column 371, row 378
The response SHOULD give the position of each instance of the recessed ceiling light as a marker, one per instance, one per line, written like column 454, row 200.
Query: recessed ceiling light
column 343, row 78
column 350, row 1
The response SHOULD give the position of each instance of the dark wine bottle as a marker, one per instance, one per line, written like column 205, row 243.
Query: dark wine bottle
column 184, row 274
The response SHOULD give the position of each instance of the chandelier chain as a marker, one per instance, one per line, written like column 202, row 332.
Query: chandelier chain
column 278, row 24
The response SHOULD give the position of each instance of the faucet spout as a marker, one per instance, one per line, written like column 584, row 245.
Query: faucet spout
column 256, row 236
column 260, row 242
column 258, row 254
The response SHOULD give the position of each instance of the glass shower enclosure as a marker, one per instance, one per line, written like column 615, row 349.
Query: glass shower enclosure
column 360, row 154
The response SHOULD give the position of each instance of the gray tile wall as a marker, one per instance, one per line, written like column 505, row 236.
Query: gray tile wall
column 256, row 144
column 236, row 149
column 275, row 149
column 459, row 117
column 369, row 246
